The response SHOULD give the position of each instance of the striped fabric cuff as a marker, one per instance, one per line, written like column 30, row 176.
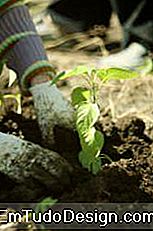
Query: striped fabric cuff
column 37, row 69
column 18, row 33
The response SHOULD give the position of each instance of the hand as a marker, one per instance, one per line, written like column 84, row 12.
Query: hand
column 52, row 109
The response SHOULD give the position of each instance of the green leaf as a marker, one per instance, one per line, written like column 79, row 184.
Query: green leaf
column 86, row 116
column 115, row 73
column 80, row 95
column 92, row 164
column 45, row 204
column 93, row 143
column 79, row 70
column 89, row 156
column 85, row 159
column 58, row 77
column 98, row 142
column 96, row 165
column 90, row 136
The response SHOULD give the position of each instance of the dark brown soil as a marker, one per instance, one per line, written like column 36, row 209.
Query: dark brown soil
column 129, row 178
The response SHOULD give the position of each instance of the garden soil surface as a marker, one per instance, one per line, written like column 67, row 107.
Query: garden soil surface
column 127, row 177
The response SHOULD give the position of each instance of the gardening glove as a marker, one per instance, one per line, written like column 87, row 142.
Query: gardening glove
column 28, row 59
column 24, row 162
column 52, row 110
column 133, row 57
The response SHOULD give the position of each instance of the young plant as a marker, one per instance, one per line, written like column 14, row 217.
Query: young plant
column 87, row 111
column 45, row 204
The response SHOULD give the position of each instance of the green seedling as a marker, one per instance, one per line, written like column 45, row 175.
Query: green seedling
column 40, row 207
column 87, row 111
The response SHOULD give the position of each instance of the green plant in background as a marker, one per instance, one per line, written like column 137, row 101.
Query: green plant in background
column 45, row 204
column 40, row 207
column 87, row 111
